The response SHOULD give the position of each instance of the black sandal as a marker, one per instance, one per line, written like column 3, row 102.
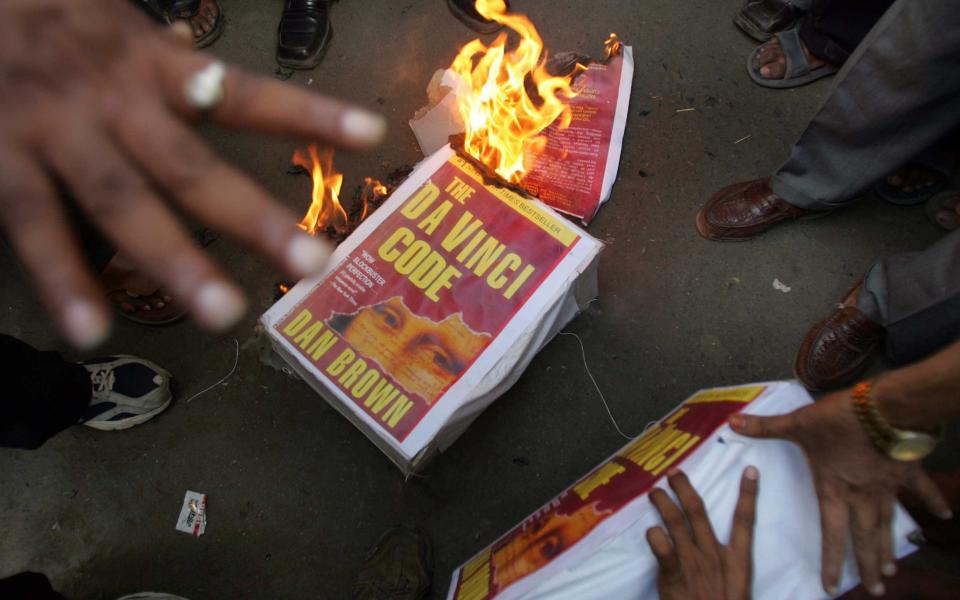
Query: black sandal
column 304, row 32
column 180, row 9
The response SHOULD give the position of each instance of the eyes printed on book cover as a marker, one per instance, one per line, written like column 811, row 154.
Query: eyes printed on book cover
column 424, row 356
column 541, row 542
column 395, row 320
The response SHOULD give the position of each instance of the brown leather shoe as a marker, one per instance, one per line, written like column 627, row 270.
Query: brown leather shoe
column 838, row 348
column 745, row 210
column 760, row 19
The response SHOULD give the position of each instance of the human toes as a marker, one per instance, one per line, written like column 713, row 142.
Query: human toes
column 774, row 70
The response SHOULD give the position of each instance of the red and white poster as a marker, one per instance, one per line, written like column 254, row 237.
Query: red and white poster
column 589, row 542
column 576, row 171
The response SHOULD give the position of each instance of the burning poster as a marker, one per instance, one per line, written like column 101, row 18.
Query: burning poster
column 557, row 133
column 434, row 306
column 575, row 171
column 590, row 541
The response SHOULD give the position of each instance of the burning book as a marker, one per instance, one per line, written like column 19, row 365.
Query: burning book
column 589, row 542
column 554, row 126
column 434, row 306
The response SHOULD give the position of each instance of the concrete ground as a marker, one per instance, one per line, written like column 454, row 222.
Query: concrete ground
column 297, row 494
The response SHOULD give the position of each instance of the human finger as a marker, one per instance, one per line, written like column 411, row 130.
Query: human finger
column 777, row 426
column 216, row 193
column 182, row 33
column 663, row 551
column 888, row 562
column 674, row 521
column 695, row 513
column 118, row 200
column 272, row 106
column 37, row 227
column 744, row 516
column 920, row 484
column 865, row 531
column 834, row 526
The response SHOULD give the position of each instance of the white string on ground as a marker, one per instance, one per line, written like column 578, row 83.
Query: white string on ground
column 583, row 354
column 236, row 361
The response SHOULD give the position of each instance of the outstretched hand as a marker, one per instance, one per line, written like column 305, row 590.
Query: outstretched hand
column 856, row 484
column 93, row 100
column 693, row 564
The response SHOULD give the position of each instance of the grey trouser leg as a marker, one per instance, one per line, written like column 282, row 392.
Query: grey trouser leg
column 898, row 94
column 916, row 296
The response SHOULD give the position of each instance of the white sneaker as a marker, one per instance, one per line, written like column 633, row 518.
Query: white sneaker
column 127, row 391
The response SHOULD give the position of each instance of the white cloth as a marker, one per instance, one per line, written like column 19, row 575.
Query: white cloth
column 787, row 542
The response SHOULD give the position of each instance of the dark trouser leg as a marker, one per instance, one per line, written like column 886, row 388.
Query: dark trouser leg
column 45, row 394
column 32, row 586
column 916, row 297
column 834, row 28
column 183, row 5
column 153, row 9
column 898, row 94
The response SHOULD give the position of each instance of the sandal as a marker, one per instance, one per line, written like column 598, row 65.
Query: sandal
column 944, row 209
column 798, row 71
column 146, row 309
column 186, row 10
column 181, row 9
column 939, row 161
column 304, row 33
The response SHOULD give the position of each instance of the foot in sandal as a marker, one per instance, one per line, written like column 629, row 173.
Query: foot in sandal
column 785, row 62
column 919, row 180
column 136, row 297
column 206, row 23
column 944, row 209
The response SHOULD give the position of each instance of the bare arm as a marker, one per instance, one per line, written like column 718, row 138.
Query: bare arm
column 857, row 485
column 925, row 395
column 92, row 100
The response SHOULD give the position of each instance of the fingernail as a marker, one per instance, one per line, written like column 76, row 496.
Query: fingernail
column 736, row 421
column 219, row 306
column 307, row 255
column 946, row 515
column 751, row 473
column 673, row 472
column 877, row 589
column 85, row 325
column 831, row 590
column 889, row 569
column 364, row 127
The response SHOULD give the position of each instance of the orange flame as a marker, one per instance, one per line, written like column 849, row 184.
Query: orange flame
column 503, row 122
column 612, row 45
column 373, row 189
column 325, row 208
